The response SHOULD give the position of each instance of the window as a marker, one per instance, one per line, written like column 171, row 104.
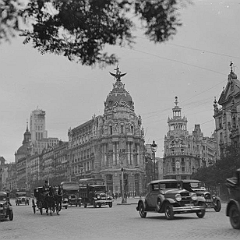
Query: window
column 155, row 187
column 110, row 130
column 121, row 128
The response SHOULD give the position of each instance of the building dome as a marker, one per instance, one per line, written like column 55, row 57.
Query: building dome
column 118, row 95
column 23, row 150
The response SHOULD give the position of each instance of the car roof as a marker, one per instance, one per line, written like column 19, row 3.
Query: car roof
column 164, row 181
column 191, row 180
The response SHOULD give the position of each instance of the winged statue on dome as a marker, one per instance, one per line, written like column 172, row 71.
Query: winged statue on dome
column 118, row 74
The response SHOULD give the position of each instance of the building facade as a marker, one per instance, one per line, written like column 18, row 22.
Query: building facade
column 227, row 118
column 185, row 153
column 107, row 144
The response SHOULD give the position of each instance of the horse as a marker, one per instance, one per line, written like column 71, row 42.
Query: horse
column 49, row 201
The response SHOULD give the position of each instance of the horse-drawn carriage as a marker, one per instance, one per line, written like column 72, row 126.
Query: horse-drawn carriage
column 48, row 200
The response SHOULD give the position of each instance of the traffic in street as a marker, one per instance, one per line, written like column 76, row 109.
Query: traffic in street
column 122, row 221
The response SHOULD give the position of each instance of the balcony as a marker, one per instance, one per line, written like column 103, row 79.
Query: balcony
column 234, row 133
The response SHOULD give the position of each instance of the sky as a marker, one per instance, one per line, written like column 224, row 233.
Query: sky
column 193, row 66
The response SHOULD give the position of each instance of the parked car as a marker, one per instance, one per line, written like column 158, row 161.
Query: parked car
column 233, row 206
column 22, row 198
column 211, row 200
column 168, row 196
column 5, row 206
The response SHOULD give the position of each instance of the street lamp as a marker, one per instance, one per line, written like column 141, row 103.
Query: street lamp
column 154, row 149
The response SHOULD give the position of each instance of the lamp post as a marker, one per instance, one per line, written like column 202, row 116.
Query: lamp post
column 124, row 200
column 154, row 149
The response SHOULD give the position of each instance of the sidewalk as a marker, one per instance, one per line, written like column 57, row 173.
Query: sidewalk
column 130, row 201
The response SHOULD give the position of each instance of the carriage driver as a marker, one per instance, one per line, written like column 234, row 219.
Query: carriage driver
column 46, row 188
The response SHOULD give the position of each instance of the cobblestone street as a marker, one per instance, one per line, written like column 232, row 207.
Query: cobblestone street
column 118, row 222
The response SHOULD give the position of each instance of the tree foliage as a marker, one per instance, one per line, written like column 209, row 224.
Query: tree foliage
column 81, row 29
column 9, row 18
column 221, row 170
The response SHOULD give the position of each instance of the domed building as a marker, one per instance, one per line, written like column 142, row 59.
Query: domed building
column 24, row 150
column 112, row 145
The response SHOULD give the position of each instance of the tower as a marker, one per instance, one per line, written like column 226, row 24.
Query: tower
column 37, row 125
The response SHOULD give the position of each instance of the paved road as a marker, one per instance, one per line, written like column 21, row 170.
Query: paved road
column 119, row 222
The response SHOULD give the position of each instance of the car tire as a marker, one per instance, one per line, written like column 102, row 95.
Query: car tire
column 11, row 215
column 217, row 207
column 234, row 215
column 142, row 211
column 201, row 213
column 94, row 204
column 85, row 205
column 110, row 204
column 169, row 211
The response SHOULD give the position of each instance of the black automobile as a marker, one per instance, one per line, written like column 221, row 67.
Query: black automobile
column 5, row 206
column 211, row 200
column 233, row 206
column 95, row 195
column 168, row 196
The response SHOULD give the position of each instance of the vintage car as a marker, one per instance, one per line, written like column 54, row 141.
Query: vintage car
column 21, row 198
column 5, row 206
column 95, row 195
column 211, row 200
column 70, row 194
column 233, row 206
column 168, row 196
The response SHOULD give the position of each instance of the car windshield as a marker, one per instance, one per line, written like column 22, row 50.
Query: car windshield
column 100, row 188
column 197, row 185
column 170, row 185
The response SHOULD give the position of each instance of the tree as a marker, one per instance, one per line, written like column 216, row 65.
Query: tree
column 221, row 170
column 9, row 18
column 81, row 29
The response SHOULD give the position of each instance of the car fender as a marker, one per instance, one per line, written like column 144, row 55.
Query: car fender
column 141, row 201
column 230, row 203
column 165, row 201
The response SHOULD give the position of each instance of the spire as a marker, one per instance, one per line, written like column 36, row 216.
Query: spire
column 176, row 101
column 27, row 127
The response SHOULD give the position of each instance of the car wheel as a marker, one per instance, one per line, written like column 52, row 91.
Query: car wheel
column 85, row 205
column 201, row 213
column 142, row 211
column 234, row 215
column 94, row 204
column 40, row 209
column 11, row 215
column 217, row 206
column 169, row 211
column 110, row 204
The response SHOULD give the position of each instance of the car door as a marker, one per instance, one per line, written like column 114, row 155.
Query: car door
column 152, row 195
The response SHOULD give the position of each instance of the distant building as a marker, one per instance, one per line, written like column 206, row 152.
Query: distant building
column 2, row 170
column 227, row 119
column 185, row 153
column 39, row 138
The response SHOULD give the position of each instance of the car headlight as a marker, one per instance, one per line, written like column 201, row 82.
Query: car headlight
column 178, row 197
column 98, row 197
column 194, row 196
